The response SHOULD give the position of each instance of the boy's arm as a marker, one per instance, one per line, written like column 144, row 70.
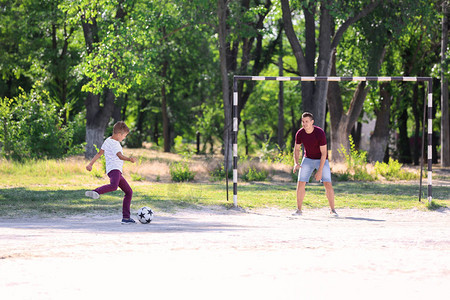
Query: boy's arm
column 123, row 157
column 97, row 156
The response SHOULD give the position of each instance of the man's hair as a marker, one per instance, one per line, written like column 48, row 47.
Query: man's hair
column 121, row 127
column 308, row 114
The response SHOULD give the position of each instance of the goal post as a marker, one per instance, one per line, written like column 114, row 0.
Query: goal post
column 235, row 121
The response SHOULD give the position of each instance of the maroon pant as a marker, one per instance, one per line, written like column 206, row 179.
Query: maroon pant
column 116, row 180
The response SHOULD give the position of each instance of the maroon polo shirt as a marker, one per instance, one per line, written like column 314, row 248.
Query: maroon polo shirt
column 311, row 142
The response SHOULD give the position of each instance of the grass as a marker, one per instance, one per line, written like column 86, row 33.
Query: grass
column 50, row 188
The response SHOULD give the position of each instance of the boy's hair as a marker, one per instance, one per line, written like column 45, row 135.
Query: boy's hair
column 121, row 127
column 308, row 114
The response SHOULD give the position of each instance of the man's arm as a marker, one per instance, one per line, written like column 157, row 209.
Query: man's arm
column 323, row 158
column 296, row 157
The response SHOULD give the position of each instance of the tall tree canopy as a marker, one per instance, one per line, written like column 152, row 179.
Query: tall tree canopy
column 166, row 67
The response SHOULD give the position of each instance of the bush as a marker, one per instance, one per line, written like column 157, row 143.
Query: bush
column 102, row 160
column 179, row 171
column 134, row 139
column 219, row 173
column 356, row 162
column 294, row 176
column 255, row 175
column 78, row 142
column 136, row 177
column 180, row 147
column 393, row 170
column 32, row 128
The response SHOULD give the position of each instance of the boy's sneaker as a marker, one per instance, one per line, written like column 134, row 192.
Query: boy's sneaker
column 333, row 213
column 128, row 221
column 92, row 194
column 298, row 212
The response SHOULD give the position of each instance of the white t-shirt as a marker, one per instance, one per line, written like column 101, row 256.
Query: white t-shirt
column 111, row 148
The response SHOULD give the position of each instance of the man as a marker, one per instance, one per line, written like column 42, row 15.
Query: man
column 315, row 158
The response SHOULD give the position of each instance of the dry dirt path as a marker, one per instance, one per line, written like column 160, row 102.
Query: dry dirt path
column 215, row 253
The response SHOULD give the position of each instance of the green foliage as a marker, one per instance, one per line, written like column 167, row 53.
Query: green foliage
column 343, row 176
column 294, row 176
column 136, row 177
column 393, row 171
column 281, row 156
column 180, row 147
column 434, row 205
column 55, row 187
column 209, row 122
column 254, row 175
column 139, row 46
column 102, row 160
column 267, row 152
column 32, row 128
column 356, row 162
column 219, row 173
column 134, row 139
column 96, row 173
column 179, row 172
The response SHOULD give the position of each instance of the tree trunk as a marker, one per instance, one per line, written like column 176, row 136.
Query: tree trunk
column 314, row 94
column 222, row 32
column 341, row 131
column 165, row 115
column 247, row 144
column 97, row 117
column 280, row 133
column 356, row 134
column 380, row 137
column 416, row 148
column 404, row 151
column 324, row 65
column 156, row 131
column 445, row 118
column 343, row 122
column 295, row 128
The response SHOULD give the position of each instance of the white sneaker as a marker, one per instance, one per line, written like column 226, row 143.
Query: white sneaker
column 333, row 213
column 298, row 212
column 92, row 194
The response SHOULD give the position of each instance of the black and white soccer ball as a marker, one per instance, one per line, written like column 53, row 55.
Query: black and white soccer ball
column 145, row 215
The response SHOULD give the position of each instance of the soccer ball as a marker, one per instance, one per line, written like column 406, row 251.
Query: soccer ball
column 145, row 215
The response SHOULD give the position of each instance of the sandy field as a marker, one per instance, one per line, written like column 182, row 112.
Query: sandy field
column 215, row 253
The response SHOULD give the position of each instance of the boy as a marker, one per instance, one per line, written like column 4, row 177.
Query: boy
column 114, row 162
column 316, row 157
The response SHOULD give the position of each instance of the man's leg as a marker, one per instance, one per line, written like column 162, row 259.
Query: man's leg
column 300, row 194
column 330, row 193
column 304, row 174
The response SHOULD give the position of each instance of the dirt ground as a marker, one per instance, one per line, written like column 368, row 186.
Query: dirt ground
column 214, row 253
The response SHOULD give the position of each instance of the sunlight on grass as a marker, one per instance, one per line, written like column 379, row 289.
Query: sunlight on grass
column 43, row 167
column 57, row 187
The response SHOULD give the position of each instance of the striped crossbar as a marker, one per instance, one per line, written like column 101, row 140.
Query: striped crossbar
column 329, row 78
column 332, row 78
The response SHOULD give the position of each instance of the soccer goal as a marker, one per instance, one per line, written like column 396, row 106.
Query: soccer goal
column 329, row 78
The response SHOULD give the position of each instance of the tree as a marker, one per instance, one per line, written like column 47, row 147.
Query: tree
column 362, row 52
column 222, row 33
column 280, row 131
column 331, row 14
column 15, row 45
column 99, row 21
column 248, row 32
column 445, row 113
